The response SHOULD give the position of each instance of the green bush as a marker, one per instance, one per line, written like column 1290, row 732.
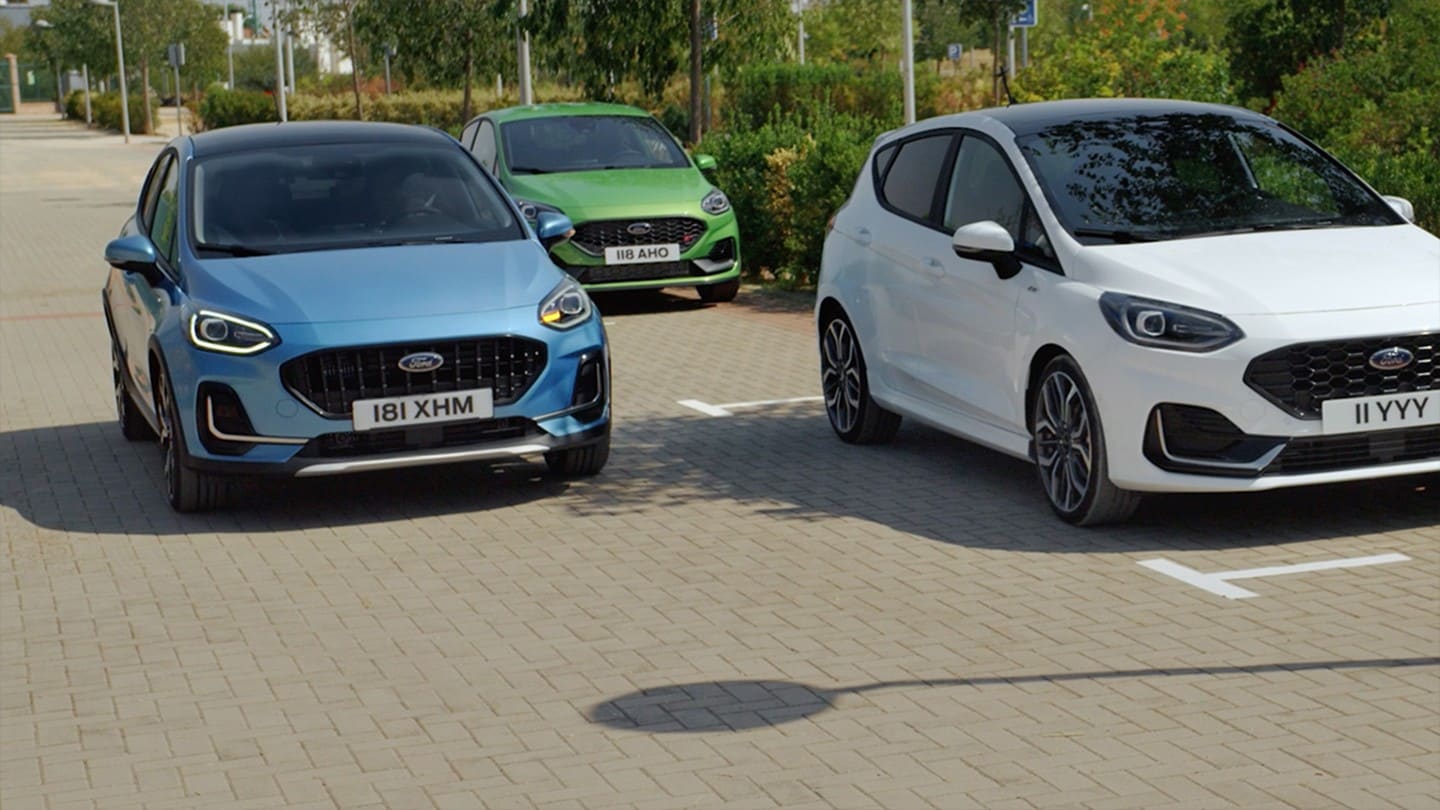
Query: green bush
column 75, row 105
column 228, row 108
column 808, row 92
column 785, row 179
column 106, row 109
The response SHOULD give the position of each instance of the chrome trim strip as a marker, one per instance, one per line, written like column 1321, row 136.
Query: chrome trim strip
column 604, row 392
column 712, row 267
column 231, row 437
column 1256, row 466
column 417, row 459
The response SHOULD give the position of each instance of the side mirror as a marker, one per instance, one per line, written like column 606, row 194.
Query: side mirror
column 133, row 254
column 705, row 162
column 553, row 228
column 987, row 241
column 1402, row 207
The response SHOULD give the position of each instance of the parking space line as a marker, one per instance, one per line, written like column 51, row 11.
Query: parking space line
column 1218, row 582
column 728, row 408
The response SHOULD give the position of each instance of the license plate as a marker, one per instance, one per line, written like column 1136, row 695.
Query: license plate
column 642, row 254
column 1380, row 413
column 423, row 409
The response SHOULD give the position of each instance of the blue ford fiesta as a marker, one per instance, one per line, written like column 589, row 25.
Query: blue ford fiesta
column 324, row 298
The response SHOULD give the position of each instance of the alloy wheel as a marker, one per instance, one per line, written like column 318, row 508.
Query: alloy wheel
column 122, row 405
column 840, row 375
column 1064, row 447
column 168, row 449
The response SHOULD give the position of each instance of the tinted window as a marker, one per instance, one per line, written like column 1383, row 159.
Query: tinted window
column 346, row 195
column 151, row 193
column 1167, row 176
column 914, row 173
column 485, row 145
column 589, row 142
column 467, row 136
column 982, row 187
column 166, row 212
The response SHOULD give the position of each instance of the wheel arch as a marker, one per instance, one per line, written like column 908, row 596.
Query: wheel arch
column 1038, row 362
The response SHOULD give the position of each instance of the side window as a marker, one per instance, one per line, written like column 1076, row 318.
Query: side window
column 484, row 146
column 983, row 187
column 151, row 194
column 914, row 173
column 467, row 135
column 166, row 212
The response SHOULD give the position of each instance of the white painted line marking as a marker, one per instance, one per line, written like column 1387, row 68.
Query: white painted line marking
column 704, row 407
column 1190, row 576
column 1218, row 582
column 728, row 408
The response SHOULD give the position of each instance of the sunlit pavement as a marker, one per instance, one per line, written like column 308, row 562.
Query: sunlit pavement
column 739, row 612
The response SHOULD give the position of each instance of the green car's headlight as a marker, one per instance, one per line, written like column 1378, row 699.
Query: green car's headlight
column 530, row 210
column 715, row 202
column 218, row 332
column 566, row 306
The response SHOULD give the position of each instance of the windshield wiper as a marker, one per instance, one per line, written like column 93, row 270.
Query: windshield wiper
column 234, row 250
column 1119, row 235
column 1256, row 227
column 529, row 170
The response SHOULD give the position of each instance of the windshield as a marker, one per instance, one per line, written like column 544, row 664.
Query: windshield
column 581, row 143
column 1147, row 177
column 344, row 195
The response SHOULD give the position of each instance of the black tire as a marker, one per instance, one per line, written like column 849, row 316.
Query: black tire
column 855, row 416
column 579, row 462
column 719, row 293
column 132, row 423
column 1069, row 449
column 187, row 490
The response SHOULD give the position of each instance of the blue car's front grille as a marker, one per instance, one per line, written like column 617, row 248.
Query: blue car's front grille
column 331, row 380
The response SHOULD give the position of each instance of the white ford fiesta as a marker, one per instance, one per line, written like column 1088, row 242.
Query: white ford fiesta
column 1137, row 295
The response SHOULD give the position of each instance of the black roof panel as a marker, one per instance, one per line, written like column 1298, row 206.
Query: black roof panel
column 301, row 133
column 1025, row 119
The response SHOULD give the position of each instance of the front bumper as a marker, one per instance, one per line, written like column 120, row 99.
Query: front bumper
column 714, row 258
column 262, row 427
column 1182, row 422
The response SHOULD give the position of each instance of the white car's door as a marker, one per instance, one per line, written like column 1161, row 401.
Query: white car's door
column 968, row 328
column 901, row 280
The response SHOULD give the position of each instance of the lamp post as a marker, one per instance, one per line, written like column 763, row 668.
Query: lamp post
column 908, row 32
column 230, row 44
column 526, row 96
column 120, row 60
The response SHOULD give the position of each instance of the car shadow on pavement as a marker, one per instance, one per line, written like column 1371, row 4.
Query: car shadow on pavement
column 717, row 706
column 646, row 302
column 86, row 478
column 786, row 463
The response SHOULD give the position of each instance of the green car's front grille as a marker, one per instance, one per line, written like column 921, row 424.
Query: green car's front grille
column 593, row 237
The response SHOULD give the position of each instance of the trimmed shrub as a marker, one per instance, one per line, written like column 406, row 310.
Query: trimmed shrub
column 106, row 109
column 228, row 108
column 809, row 92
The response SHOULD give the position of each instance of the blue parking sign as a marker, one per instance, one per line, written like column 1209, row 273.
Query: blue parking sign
column 953, row 51
column 1027, row 18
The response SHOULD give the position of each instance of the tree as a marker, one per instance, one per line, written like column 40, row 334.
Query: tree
column 996, row 14
column 1271, row 39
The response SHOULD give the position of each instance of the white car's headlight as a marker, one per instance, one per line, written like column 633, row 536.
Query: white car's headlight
column 1167, row 326
column 567, row 305
column 530, row 209
column 715, row 202
column 218, row 332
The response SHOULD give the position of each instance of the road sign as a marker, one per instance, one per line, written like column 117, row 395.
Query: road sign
column 1027, row 18
column 953, row 51
column 175, row 54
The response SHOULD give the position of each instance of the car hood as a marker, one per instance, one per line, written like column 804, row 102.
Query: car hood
column 1279, row 272
column 377, row 283
column 615, row 193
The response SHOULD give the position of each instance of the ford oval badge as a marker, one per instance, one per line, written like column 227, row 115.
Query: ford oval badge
column 421, row 362
column 1391, row 359
column 638, row 228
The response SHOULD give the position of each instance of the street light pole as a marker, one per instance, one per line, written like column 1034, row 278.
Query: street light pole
column 277, row 34
column 120, row 61
column 85, row 71
column 909, row 51
column 230, row 44
column 526, row 96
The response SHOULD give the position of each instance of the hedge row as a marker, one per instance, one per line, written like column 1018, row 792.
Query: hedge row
column 105, row 110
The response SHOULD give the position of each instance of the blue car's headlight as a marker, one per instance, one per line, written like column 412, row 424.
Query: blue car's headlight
column 218, row 332
column 715, row 202
column 566, row 306
column 1167, row 326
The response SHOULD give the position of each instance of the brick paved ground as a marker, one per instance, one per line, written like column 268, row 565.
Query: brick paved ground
column 740, row 612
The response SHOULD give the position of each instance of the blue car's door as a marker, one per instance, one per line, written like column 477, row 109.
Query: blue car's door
column 140, row 303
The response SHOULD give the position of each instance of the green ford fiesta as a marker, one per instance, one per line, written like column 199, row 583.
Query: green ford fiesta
column 645, row 216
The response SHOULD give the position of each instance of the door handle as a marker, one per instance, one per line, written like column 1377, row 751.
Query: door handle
column 933, row 267
column 862, row 235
